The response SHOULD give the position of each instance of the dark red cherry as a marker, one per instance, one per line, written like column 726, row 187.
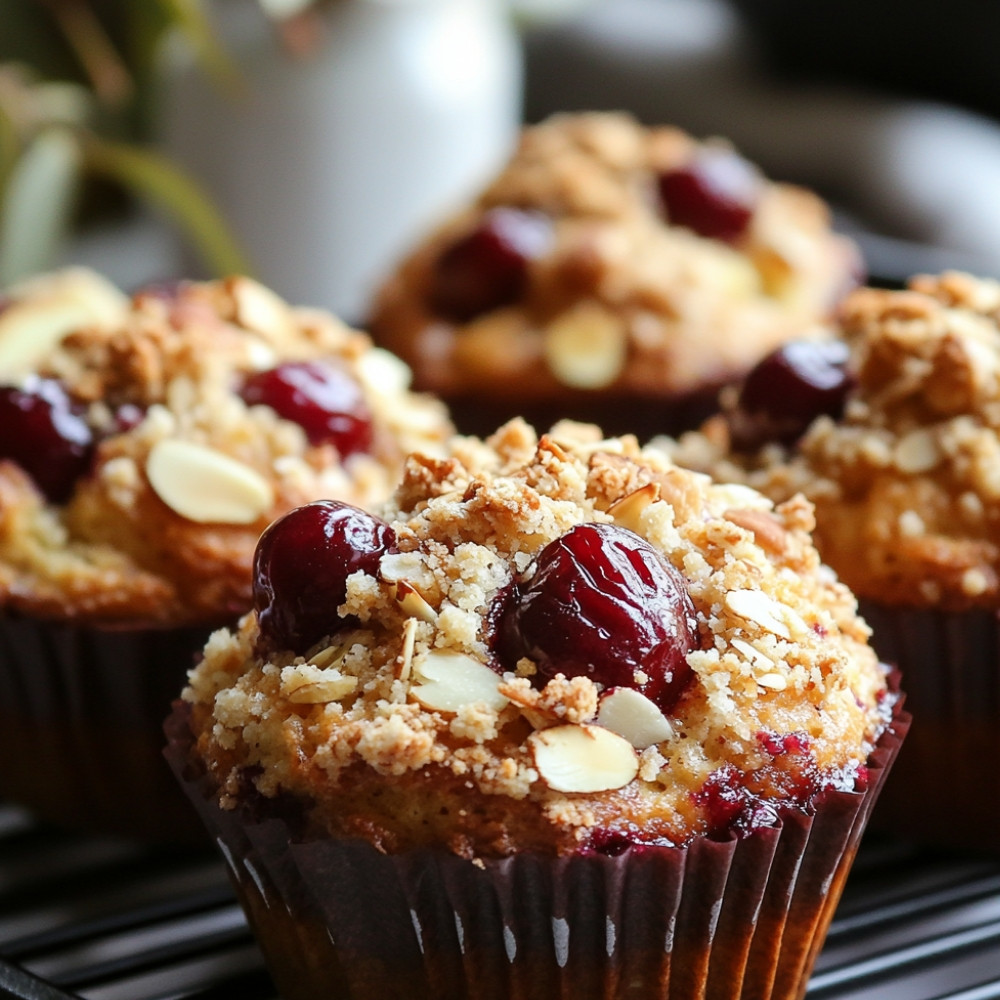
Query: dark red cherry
column 787, row 390
column 715, row 194
column 301, row 568
column 44, row 432
column 604, row 603
column 322, row 398
column 488, row 267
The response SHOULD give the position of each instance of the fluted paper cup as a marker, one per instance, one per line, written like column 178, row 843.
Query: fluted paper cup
column 741, row 918
column 81, row 725
column 945, row 790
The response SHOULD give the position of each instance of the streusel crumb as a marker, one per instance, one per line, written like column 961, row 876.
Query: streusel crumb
column 906, row 484
column 182, row 473
column 785, row 696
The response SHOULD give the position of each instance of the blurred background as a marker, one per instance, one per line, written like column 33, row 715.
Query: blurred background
column 309, row 143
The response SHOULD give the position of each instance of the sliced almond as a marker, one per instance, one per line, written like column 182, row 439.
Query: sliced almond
column 583, row 758
column 755, row 606
column 383, row 373
column 412, row 603
column 205, row 486
column 307, row 684
column 30, row 329
column 773, row 681
column 257, row 308
column 449, row 680
column 767, row 530
column 631, row 714
column 405, row 659
column 752, row 653
column 628, row 510
column 917, row 452
column 586, row 348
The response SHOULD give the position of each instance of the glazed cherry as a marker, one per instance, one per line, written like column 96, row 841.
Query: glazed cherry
column 44, row 432
column 301, row 568
column 322, row 398
column 788, row 390
column 488, row 267
column 604, row 603
column 715, row 194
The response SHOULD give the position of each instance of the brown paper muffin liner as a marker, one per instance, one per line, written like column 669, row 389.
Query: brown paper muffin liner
column 743, row 918
column 945, row 791
column 81, row 725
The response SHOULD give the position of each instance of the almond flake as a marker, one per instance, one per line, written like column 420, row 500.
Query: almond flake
column 30, row 328
column 259, row 309
column 412, row 603
column 383, row 373
column 583, row 758
column 757, row 607
column 917, row 452
column 752, row 653
column 586, row 348
column 206, row 486
column 631, row 714
column 309, row 685
column 449, row 680
column 773, row 681
column 405, row 659
column 628, row 510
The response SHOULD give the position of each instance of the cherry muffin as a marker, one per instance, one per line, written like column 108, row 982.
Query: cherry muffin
column 560, row 717
column 613, row 273
column 892, row 433
column 145, row 443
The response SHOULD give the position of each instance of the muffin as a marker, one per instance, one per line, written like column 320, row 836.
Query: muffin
column 145, row 443
column 613, row 273
column 561, row 716
column 893, row 435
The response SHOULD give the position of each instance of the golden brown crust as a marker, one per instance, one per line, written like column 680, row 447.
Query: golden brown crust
column 659, row 310
column 134, row 543
column 357, row 728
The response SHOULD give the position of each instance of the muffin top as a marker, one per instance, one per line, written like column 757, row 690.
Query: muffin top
column 146, row 442
column 903, row 465
column 566, row 644
column 611, row 257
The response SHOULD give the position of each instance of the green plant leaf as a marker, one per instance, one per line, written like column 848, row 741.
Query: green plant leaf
column 38, row 202
column 157, row 180
column 189, row 18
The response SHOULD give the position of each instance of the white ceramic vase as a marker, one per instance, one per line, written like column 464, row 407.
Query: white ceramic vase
column 328, row 166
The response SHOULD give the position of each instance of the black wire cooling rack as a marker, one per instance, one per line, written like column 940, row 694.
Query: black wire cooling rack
column 99, row 919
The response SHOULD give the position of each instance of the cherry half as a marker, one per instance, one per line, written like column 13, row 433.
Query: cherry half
column 488, row 267
column 715, row 194
column 322, row 398
column 44, row 432
column 787, row 390
column 602, row 603
column 301, row 567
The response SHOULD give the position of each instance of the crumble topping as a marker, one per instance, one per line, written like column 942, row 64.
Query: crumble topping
column 906, row 485
column 785, row 689
column 162, row 526
column 624, row 300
